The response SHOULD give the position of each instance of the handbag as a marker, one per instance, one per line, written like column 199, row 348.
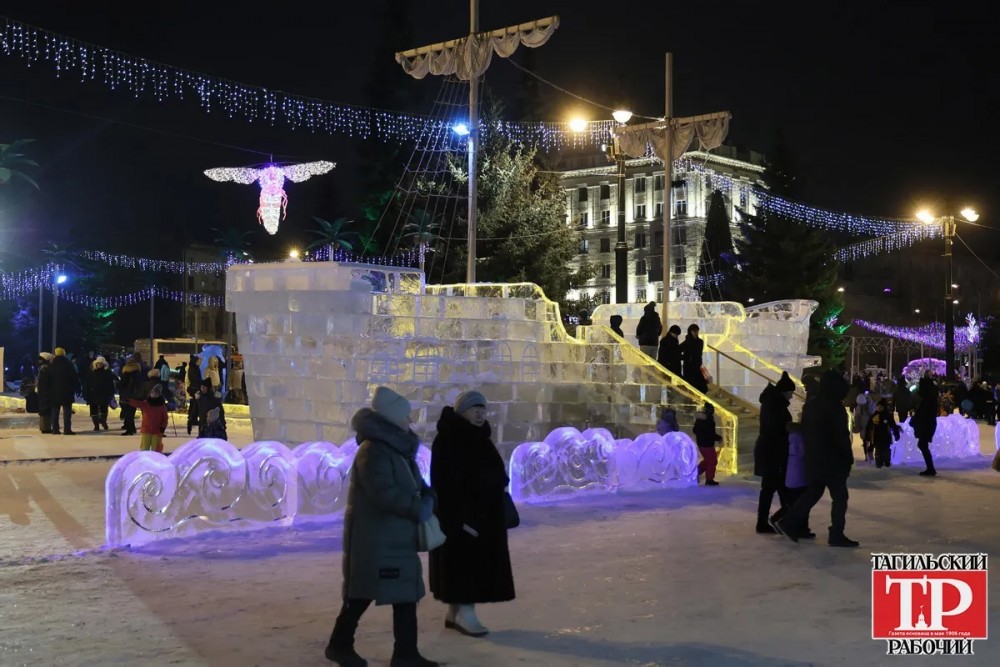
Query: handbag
column 429, row 533
column 510, row 515
column 113, row 403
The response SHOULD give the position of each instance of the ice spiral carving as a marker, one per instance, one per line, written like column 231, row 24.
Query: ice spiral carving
column 210, row 485
column 569, row 462
column 956, row 437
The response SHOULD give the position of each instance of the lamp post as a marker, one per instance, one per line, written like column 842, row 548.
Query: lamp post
column 948, row 229
column 59, row 280
column 621, row 117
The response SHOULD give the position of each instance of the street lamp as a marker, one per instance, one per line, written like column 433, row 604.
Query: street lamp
column 59, row 280
column 949, row 228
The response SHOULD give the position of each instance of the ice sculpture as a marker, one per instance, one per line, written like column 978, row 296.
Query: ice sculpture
column 956, row 437
column 913, row 371
column 317, row 337
column 210, row 485
column 569, row 462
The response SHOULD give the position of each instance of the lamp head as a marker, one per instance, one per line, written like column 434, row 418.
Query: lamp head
column 461, row 129
column 621, row 116
column 970, row 214
column 61, row 279
column 578, row 125
column 293, row 254
column 925, row 216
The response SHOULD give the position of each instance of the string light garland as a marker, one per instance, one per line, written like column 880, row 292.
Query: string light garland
column 146, row 264
column 931, row 335
column 403, row 258
column 273, row 199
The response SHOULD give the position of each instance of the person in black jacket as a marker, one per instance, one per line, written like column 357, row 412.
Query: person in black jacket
column 829, row 459
column 63, row 389
column 669, row 354
column 692, row 350
column 129, row 386
column 100, row 390
column 468, row 476
column 43, row 387
column 647, row 332
column 616, row 325
column 882, row 431
column 706, row 438
column 206, row 401
column 770, row 453
column 924, row 422
column 193, row 384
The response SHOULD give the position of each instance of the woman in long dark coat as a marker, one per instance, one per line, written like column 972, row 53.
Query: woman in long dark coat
column 468, row 476
column 692, row 350
column 924, row 422
column 100, row 390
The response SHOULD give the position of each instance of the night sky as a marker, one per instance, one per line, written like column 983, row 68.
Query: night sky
column 883, row 108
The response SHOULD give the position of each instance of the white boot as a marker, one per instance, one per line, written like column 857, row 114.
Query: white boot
column 467, row 623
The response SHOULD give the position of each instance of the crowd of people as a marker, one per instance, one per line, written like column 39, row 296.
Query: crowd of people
column 52, row 384
column 389, row 504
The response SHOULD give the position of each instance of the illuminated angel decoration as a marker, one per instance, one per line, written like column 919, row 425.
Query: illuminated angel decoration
column 273, row 200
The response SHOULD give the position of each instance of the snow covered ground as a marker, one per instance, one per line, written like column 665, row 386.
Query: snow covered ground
column 663, row 578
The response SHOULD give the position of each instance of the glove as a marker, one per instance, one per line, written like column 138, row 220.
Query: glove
column 426, row 508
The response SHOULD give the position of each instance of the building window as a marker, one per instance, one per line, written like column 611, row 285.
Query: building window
column 584, row 219
column 658, row 182
column 605, row 217
column 605, row 192
column 640, row 183
column 640, row 239
column 743, row 198
column 640, row 295
column 584, row 246
column 640, row 212
column 679, row 234
column 640, row 267
column 606, row 271
column 680, row 263
column 605, row 245
column 605, row 296
column 581, row 194
column 659, row 294
column 658, row 207
column 681, row 208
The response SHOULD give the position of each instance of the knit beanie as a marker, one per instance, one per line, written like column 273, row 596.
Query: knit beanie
column 785, row 383
column 47, row 356
column 392, row 406
column 469, row 399
column 60, row 352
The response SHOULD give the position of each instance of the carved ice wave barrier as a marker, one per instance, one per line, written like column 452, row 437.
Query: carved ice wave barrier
column 569, row 462
column 955, row 438
column 210, row 485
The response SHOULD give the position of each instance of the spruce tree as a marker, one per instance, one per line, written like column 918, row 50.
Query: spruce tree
column 717, row 254
column 782, row 258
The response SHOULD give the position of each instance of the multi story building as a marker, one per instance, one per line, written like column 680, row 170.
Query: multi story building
column 591, row 184
column 204, row 322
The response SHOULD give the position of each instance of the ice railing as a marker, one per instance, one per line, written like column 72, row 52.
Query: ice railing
column 652, row 387
column 743, row 374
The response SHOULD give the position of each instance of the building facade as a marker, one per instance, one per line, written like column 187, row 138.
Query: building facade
column 591, row 184
column 202, row 321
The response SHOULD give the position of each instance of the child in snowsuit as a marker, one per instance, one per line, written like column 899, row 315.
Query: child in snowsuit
column 882, row 429
column 667, row 423
column 154, row 419
column 795, row 473
column 216, row 428
column 706, row 437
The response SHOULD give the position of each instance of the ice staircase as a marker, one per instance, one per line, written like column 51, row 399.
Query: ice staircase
column 318, row 337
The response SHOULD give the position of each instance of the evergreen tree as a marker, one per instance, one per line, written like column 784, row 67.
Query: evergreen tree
column 781, row 258
column 717, row 254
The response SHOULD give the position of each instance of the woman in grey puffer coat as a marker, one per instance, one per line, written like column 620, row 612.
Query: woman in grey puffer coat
column 386, row 501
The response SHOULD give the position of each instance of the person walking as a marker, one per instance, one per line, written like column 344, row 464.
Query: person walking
column 795, row 477
column 63, row 389
column 882, row 429
column 616, row 325
column 205, row 401
column 829, row 459
column 154, row 419
column 386, row 501
column 647, row 332
column 669, row 353
column 770, row 453
column 924, row 422
column 692, row 350
column 129, row 386
column 43, row 387
column 902, row 399
column 100, row 391
column 467, row 474
column 193, row 386
column 706, row 438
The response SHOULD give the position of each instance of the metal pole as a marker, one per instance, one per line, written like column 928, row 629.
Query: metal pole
column 621, row 248
column 949, row 307
column 668, row 183
column 55, row 315
column 470, row 269
column 152, row 306
column 854, row 353
column 889, row 369
column 41, row 286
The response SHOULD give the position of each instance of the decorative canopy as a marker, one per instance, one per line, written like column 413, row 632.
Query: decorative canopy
column 469, row 57
column 273, row 200
column 711, row 132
